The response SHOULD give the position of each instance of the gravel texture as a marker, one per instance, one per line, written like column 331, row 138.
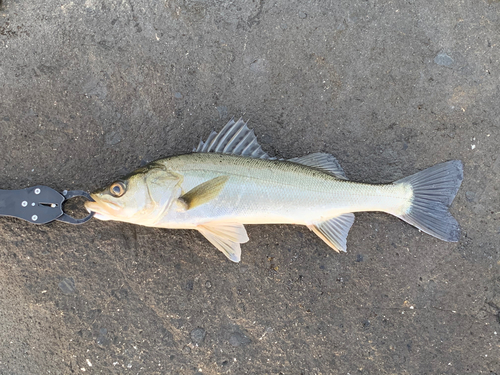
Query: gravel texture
column 90, row 90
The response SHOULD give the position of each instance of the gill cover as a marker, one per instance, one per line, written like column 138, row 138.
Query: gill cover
column 140, row 197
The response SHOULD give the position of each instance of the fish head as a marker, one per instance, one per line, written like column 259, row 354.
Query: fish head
column 136, row 198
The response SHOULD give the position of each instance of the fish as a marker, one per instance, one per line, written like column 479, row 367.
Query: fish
column 228, row 181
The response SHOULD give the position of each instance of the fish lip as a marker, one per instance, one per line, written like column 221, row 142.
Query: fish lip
column 91, row 207
column 94, row 208
column 101, row 216
column 97, row 208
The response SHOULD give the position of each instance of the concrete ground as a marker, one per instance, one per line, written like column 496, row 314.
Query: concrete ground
column 90, row 90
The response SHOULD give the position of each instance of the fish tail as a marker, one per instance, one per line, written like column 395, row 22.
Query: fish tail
column 433, row 192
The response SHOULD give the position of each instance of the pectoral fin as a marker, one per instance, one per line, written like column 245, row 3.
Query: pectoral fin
column 203, row 193
column 226, row 237
column 334, row 231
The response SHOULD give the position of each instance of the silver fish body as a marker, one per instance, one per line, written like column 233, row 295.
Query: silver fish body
column 229, row 181
column 273, row 192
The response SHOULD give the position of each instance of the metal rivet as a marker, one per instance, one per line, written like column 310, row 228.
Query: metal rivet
column 24, row 204
column 34, row 218
column 37, row 191
column 33, row 203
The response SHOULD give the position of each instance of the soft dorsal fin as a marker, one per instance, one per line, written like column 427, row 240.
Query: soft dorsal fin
column 334, row 231
column 226, row 237
column 322, row 161
column 204, row 192
column 236, row 139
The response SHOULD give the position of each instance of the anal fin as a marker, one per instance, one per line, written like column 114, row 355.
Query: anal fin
column 226, row 237
column 334, row 231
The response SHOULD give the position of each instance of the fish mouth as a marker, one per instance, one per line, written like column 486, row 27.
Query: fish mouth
column 99, row 211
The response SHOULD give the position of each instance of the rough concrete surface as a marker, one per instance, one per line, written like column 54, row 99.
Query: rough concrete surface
column 90, row 90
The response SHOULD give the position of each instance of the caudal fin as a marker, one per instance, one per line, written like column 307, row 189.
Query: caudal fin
column 433, row 191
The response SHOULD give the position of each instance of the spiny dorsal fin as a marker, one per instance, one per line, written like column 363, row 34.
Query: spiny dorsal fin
column 236, row 139
column 334, row 231
column 226, row 237
column 203, row 193
column 323, row 161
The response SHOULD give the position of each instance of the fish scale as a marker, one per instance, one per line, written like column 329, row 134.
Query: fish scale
column 268, row 192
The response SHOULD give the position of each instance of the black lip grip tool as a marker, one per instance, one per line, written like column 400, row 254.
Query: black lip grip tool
column 40, row 204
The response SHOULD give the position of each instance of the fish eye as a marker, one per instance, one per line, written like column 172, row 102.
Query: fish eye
column 117, row 189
